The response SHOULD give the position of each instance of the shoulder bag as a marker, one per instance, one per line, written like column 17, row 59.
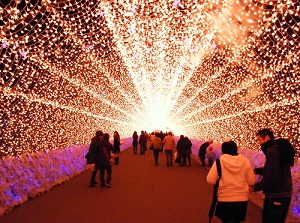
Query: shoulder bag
column 215, row 193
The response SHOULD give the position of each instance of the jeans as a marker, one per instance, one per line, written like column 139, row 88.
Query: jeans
column 275, row 209
column 169, row 157
column 142, row 148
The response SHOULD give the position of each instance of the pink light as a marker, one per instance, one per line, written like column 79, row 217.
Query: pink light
column 4, row 45
column 176, row 3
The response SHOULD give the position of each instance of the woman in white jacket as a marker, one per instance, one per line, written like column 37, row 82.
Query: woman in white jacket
column 237, row 175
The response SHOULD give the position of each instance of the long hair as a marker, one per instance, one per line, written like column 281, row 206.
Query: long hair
column 116, row 136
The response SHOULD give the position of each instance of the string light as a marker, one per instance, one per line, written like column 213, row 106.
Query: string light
column 207, row 70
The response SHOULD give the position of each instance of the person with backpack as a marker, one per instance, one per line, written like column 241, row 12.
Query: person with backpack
column 276, row 181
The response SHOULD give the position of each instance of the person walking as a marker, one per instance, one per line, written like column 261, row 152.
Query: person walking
column 237, row 175
column 210, row 155
column 276, row 181
column 135, row 142
column 90, row 159
column 156, row 144
column 181, row 149
column 102, row 158
column 116, row 149
column 169, row 146
column 143, row 142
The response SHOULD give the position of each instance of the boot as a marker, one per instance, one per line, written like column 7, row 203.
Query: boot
column 117, row 160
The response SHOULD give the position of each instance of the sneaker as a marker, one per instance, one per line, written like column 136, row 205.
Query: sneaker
column 107, row 185
column 104, row 187
column 93, row 185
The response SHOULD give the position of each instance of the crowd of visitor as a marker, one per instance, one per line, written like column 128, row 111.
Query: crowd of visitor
column 232, row 174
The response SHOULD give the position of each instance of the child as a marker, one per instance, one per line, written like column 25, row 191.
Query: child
column 210, row 156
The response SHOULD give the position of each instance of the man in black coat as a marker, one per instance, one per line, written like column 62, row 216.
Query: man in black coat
column 90, row 158
column 143, row 143
column 276, row 181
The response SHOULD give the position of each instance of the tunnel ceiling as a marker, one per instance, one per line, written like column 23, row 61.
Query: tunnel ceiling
column 205, row 69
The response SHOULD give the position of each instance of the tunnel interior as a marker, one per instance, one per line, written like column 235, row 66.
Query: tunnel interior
column 205, row 69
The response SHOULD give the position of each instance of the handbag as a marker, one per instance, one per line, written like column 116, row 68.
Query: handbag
column 215, row 193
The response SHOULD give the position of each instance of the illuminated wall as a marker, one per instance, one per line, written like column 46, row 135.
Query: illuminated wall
column 206, row 69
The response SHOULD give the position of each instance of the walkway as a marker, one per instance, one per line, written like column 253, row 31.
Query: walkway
column 141, row 192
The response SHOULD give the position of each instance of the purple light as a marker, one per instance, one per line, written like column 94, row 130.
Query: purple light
column 4, row 45
column 176, row 3
column 23, row 54
column 186, row 41
column 133, row 9
column 89, row 47
column 193, row 50
column 214, row 45
column 101, row 14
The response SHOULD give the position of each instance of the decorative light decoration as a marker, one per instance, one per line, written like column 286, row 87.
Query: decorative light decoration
column 232, row 63
column 213, row 69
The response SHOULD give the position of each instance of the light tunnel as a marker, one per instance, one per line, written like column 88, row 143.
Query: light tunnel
column 204, row 69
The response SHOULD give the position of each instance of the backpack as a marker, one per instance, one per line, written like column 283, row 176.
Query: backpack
column 287, row 151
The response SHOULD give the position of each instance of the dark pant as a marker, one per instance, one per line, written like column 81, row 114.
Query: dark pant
column 102, row 169
column 275, row 209
column 183, row 159
column 189, row 158
column 93, row 181
column 210, row 161
column 134, row 149
column 202, row 159
column 156, row 154
column 169, row 157
column 143, row 148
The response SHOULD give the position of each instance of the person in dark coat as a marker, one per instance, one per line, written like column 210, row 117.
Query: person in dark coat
column 101, row 156
column 135, row 142
column 276, row 181
column 180, row 149
column 143, row 143
column 97, row 137
column 202, row 151
column 116, row 150
column 188, row 150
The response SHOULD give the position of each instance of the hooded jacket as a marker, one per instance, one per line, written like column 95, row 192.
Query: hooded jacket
column 237, row 174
